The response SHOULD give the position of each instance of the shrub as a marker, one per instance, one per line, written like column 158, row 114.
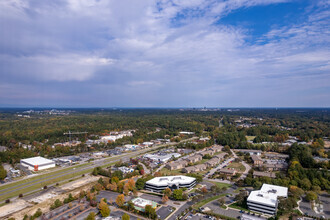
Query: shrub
column 20, row 195
column 7, row 201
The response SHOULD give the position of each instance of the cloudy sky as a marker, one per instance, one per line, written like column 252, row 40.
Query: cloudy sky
column 179, row 53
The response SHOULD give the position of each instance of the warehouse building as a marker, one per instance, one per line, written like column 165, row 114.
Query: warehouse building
column 37, row 163
column 265, row 200
column 158, row 184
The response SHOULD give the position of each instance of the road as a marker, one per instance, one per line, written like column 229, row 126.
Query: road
column 220, row 166
column 247, row 166
column 96, row 163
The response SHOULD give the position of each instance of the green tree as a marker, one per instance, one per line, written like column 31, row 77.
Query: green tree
column 104, row 208
column 140, row 183
column 150, row 212
column 125, row 217
column 91, row 216
column 3, row 173
column 177, row 194
column 311, row 196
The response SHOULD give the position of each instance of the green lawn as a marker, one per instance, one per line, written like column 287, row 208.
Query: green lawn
column 237, row 166
column 205, row 201
column 221, row 185
column 236, row 206
column 250, row 138
column 51, row 174
column 167, row 172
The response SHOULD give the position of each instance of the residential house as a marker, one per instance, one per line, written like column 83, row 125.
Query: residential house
column 176, row 165
column 196, row 168
column 276, row 167
column 264, row 174
column 230, row 172
column 195, row 158
column 212, row 162
column 256, row 160
column 220, row 156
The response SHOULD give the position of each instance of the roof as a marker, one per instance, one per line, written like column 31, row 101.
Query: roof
column 224, row 170
column 280, row 190
column 257, row 173
column 255, row 158
column 140, row 203
column 37, row 160
column 166, row 180
column 268, row 194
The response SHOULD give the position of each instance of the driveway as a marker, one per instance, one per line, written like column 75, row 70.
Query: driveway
column 214, row 206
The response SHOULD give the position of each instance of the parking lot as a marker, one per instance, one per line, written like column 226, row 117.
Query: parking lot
column 109, row 195
column 154, row 198
column 164, row 211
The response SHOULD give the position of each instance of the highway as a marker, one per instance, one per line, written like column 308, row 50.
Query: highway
column 68, row 173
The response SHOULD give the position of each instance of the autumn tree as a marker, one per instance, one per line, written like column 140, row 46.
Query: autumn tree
column 104, row 208
column 164, row 199
column 168, row 192
column 131, row 184
column 126, row 189
column 120, row 200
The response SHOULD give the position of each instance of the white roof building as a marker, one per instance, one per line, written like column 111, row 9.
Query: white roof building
column 162, row 158
column 265, row 200
column 37, row 163
column 158, row 184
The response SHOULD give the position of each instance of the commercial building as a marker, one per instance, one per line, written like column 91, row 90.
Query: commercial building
column 265, row 200
column 158, row 184
column 140, row 203
column 37, row 163
column 162, row 158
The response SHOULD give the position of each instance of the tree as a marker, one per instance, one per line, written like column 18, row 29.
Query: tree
column 164, row 199
column 126, row 191
column 131, row 184
column 167, row 192
column 3, row 173
column 177, row 194
column 157, row 174
column 91, row 216
column 104, row 208
column 125, row 217
column 120, row 200
column 150, row 212
column 240, row 198
column 204, row 190
column 140, row 183
column 311, row 196
column 221, row 201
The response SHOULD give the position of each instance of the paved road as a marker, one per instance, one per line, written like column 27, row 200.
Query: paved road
column 225, row 163
column 96, row 163
column 146, row 170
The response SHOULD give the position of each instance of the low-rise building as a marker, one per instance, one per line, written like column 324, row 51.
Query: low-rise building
column 220, row 156
column 195, row 158
column 212, row 162
column 251, row 152
column 126, row 169
column 257, row 161
column 196, row 168
column 230, row 172
column 37, row 163
column 266, row 200
column 161, row 158
column 276, row 156
column 264, row 174
column 276, row 167
column 140, row 203
column 158, row 184
column 176, row 165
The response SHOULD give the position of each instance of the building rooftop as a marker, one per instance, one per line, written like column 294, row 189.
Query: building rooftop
column 37, row 160
column 166, row 180
column 268, row 194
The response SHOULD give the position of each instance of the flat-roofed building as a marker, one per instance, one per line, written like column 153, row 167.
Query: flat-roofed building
column 37, row 163
column 140, row 203
column 158, row 184
column 265, row 200
column 276, row 167
column 264, row 174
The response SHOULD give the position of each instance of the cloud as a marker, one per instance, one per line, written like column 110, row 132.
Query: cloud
column 163, row 53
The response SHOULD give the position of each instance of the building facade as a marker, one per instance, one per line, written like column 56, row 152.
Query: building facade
column 158, row 184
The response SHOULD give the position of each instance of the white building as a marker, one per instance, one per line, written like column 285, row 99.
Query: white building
column 37, row 163
column 158, row 184
column 265, row 200
column 126, row 169
column 162, row 158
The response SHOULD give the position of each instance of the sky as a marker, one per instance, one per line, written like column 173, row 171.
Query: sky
column 165, row 53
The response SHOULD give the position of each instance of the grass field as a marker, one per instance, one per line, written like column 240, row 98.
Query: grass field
column 236, row 206
column 221, row 185
column 237, row 166
column 15, row 184
column 168, row 172
column 250, row 138
column 205, row 201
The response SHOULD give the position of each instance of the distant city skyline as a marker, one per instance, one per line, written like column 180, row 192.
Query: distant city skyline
column 165, row 54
